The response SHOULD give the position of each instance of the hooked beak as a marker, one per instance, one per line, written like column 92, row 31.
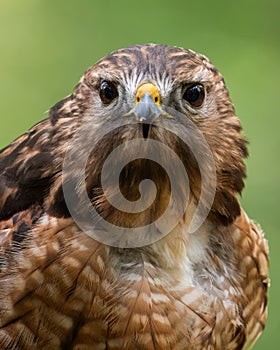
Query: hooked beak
column 147, row 102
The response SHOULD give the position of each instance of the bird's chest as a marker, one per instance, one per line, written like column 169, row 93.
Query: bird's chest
column 94, row 297
column 151, row 308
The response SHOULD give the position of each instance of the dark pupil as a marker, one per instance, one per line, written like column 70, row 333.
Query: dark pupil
column 194, row 95
column 108, row 92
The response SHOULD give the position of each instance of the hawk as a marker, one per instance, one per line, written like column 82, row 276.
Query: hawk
column 87, row 262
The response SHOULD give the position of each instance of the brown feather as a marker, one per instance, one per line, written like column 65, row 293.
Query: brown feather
column 62, row 289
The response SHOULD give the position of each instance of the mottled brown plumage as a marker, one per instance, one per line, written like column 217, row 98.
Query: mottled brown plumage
column 62, row 289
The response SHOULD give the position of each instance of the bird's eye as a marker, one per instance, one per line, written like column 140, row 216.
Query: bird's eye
column 108, row 92
column 194, row 95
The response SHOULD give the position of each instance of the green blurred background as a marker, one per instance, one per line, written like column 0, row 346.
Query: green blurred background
column 46, row 45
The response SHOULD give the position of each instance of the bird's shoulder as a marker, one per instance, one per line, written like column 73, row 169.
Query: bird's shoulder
column 252, row 251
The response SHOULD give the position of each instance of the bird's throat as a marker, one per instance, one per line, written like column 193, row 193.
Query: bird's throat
column 145, row 130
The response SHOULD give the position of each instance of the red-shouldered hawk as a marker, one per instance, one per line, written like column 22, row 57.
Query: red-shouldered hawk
column 120, row 224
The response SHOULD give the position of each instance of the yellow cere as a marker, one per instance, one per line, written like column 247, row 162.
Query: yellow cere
column 150, row 89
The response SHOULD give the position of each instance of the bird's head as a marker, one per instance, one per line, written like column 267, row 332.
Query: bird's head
column 155, row 93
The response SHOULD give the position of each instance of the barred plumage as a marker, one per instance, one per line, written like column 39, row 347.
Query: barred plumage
column 62, row 289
